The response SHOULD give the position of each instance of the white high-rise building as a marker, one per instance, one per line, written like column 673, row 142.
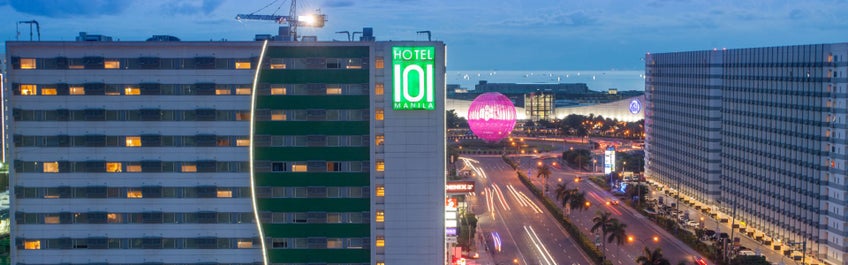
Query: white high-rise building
column 252, row 152
column 758, row 132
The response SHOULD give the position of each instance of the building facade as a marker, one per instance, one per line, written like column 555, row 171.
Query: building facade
column 757, row 132
column 193, row 152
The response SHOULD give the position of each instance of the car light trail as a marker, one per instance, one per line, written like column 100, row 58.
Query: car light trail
column 501, row 198
column 547, row 258
column 523, row 199
column 602, row 201
column 496, row 241
column 490, row 201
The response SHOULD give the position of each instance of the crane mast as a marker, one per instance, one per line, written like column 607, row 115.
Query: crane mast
column 293, row 19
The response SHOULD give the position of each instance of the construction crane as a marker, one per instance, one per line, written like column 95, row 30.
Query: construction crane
column 293, row 19
column 30, row 22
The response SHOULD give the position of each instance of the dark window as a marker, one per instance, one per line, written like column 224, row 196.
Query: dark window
column 206, row 140
column 149, row 62
column 151, row 191
column 93, row 62
column 149, row 89
column 151, row 114
column 207, row 192
column 204, row 63
column 205, row 114
column 204, row 89
column 278, row 166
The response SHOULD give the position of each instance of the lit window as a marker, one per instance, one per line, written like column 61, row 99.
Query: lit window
column 132, row 91
column 222, row 91
column 278, row 91
column 27, row 63
column 278, row 115
column 112, row 64
column 134, row 194
column 225, row 193
column 28, row 90
column 381, row 165
column 245, row 243
column 51, row 219
column 379, row 114
column 379, row 139
column 32, row 244
column 114, row 218
column 243, row 116
column 76, row 90
column 134, row 168
column 353, row 67
column 133, row 141
column 242, row 65
column 378, row 89
column 278, row 66
column 334, row 166
column 381, row 191
column 381, row 263
column 381, row 241
column 243, row 91
column 76, row 66
column 51, row 167
column 334, row 243
column 380, row 216
column 378, row 62
column 334, row 91
column 242, row 142
column 48, row 91
column 298, row 167
column 188, row 168
column 113, row 167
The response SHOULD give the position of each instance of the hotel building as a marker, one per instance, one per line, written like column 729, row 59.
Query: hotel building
column 251, row 152
column 758, row 132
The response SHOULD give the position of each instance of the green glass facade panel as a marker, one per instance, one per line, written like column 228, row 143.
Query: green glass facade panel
column 311, row 153
column 306, row 179
column 310, row 76
column 317, row 52
column 312, row 128
column 317, row 230
column 318, row 256
column 312, row 102
column 315, row 205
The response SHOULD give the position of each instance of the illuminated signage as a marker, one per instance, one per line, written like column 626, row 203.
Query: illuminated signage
column 635, row 106
column 413, row 74
column 459, row 186
column 451, row 231
column 609, row 160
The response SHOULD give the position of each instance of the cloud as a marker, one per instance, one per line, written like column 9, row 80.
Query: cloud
column 577, row 18
column 338, row 3
column 191, row 7
column 69, row 8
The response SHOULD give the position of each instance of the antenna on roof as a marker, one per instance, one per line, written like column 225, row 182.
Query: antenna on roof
column 425, row 32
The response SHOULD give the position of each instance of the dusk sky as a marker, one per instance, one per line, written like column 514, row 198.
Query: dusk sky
column 480, row 34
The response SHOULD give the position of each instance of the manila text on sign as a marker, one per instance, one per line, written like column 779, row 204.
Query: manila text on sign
column 413, row 72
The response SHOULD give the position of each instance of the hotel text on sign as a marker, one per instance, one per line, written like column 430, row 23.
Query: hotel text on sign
column 413, row 74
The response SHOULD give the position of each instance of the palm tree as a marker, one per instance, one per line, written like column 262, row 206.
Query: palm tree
column 545, row 172
column 616, row 232
column 561, row 191
column 602, row 221
column 576, row 200
column 652, row 257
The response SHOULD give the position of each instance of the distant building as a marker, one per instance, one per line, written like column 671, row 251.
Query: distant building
column 236, row 152
column 561, row 95
column 759, row 132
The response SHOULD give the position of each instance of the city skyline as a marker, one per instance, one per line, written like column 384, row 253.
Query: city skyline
column 597, row 35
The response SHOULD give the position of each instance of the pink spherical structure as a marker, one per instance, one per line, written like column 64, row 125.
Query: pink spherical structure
column 491, row 116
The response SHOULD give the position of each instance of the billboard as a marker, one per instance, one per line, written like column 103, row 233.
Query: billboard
column 459, row 186
column 609, row 160
column 413, row 72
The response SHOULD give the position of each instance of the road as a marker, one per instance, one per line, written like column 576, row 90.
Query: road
column 529, row 234
column 643, row 231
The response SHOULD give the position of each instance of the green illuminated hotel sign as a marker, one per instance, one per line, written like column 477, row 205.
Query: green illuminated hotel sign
column 412, row 68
